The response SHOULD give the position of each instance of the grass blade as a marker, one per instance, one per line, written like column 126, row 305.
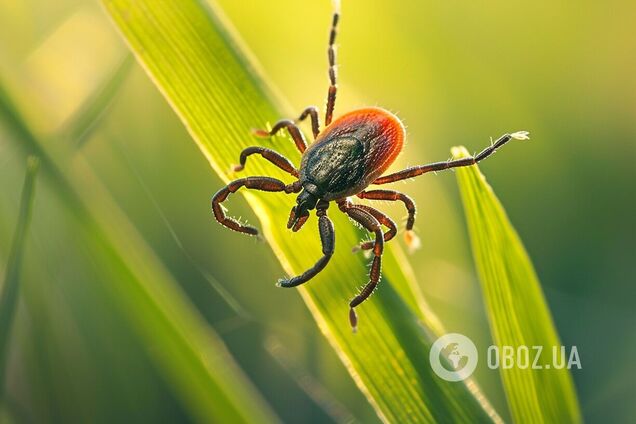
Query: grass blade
column 516, row 308
column 81, row 125
column 185, row 350
column 10, row 287
column 214, row 88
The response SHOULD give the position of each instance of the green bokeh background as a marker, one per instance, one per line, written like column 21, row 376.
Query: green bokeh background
column 455, row 72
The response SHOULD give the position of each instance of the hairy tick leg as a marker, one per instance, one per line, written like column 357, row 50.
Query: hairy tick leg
column 328, row 241
column 255, row 183
column 440, row 166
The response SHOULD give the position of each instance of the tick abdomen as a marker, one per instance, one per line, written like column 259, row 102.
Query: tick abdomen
column 352, row 152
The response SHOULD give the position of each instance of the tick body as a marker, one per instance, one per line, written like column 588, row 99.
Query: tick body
column 349, row 155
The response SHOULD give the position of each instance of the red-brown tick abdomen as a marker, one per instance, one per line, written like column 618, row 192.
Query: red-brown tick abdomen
column 384, row 131
column 352, row 151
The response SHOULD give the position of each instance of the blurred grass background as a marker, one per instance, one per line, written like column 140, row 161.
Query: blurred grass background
column 456, row 73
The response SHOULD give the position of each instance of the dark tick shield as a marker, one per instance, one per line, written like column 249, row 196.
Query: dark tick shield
column 350, row 154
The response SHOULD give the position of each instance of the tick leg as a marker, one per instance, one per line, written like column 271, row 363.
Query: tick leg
column 276, row 158
column 312, row 112
column 331, row 53
column 328, row 240
column 293, row 130
column 256, row 183
column 368, row 221
column 440, row 166
column 382, row 219
column 410, row 237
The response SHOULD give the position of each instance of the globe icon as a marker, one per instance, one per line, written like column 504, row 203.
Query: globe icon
column 453, row 357
column 454, row 360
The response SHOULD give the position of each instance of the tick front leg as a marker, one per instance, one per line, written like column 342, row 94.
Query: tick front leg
column 328, row 240
column 368, row 221
column 411, row 239
column 256, row 183
column 293, row 130
column 274, row 157
column 440, row 166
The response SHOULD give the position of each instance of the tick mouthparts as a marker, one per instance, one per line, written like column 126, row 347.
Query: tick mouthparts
column 292, row 224
column 296, row 220
column 293, row 218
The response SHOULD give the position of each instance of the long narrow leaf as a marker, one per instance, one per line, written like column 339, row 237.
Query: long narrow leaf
column 80, row 126
column 214, row 88
column 187, row 352
column 516, row 308
column 10, row 287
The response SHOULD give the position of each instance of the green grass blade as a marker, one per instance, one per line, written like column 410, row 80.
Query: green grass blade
column 10, row 287
column 183, row 347
column 80, row 127
column 214, row 88
column 515, row 305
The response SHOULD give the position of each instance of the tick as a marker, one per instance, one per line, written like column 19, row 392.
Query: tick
column 351, row 153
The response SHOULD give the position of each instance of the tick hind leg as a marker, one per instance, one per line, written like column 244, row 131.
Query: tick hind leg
column 256, row 183
column 370, row 223
column 328, row 241
column 411, row 239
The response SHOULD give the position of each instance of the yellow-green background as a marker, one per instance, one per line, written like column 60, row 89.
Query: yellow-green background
column 455, row 72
